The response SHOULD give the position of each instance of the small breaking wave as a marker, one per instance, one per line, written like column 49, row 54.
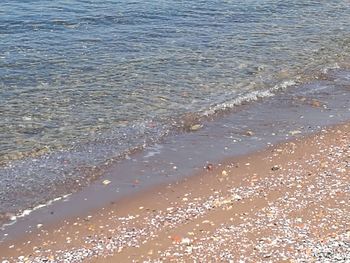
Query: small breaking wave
column 327, row 68
column 249, row 97
column 13, row 218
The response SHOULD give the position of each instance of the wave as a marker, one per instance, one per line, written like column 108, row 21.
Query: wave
column 249, row 97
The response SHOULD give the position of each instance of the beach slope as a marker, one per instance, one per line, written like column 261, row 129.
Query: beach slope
column 287, row 203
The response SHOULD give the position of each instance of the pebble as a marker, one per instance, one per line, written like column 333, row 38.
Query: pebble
column 106, row 182
column 237, row 197
column 294, row 132
column 196, row 127
column 186, row 241
column 209, row 167
column 249, row 133
column 224, row 173
column 275, row 168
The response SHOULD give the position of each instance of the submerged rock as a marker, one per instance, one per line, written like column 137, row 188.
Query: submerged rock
column 196, row 127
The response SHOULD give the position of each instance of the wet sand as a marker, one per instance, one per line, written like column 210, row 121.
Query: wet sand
column 289, row 202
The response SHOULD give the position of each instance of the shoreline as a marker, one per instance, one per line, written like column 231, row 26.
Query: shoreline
column 297, row 110
column 200, row 214
column 291, row 113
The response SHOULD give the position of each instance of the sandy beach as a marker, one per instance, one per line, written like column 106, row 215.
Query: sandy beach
column 287, row 203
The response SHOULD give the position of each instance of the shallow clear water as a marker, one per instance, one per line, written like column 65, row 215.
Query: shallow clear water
column 121, row 74
column 70, row 70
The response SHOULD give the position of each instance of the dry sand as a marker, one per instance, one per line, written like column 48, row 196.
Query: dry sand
column 288, row 203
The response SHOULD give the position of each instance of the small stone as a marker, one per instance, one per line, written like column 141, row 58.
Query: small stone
column 11, row 216
column 185, row 241
column 209, row 167
column 27, row 118
column 224, row 173
column 135, row 183
column 237, row 197
column 294, row 132
column 316, row 103
column 324, row 164
column 249, row 133
column 196, row 127
column 275, row 168
column 106, row 182
column 189, row 249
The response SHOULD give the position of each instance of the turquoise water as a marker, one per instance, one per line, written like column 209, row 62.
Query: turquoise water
column 92, row 80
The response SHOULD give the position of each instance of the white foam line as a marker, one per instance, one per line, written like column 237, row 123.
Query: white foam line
column 29, row 211
column 251, row 96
